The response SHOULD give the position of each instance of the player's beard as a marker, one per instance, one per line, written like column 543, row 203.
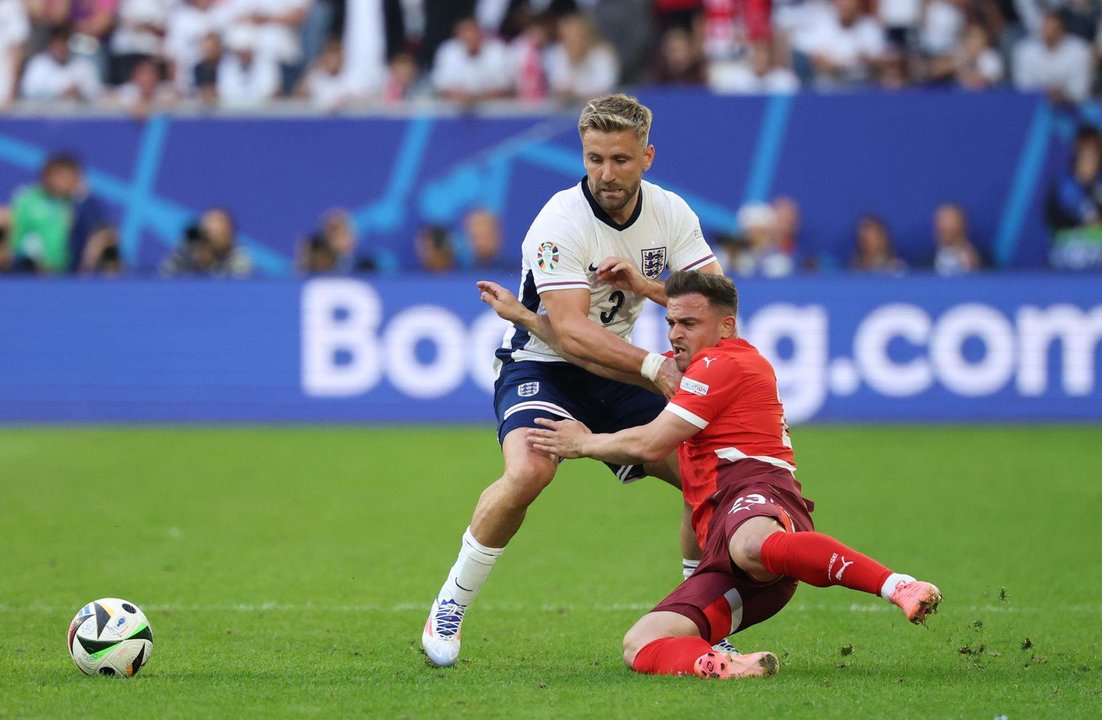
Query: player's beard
column 612, row 206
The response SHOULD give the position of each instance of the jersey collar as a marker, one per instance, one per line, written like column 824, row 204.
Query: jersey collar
column 600, row 214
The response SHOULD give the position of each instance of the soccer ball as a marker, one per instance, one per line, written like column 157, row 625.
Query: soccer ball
column 110, row 637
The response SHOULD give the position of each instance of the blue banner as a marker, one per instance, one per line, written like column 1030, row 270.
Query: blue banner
column 989, row 348
column 898, row 155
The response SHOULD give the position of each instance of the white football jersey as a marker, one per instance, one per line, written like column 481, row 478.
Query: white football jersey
column 572, row 235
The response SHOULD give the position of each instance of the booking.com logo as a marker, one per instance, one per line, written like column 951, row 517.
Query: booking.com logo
column 897, row 350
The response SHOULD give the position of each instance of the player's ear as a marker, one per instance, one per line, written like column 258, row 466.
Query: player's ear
column 648, row 157
column 728, row 327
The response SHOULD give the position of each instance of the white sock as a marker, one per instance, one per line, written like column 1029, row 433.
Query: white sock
column 889, row 584
column 688, row 567
column 470, row 571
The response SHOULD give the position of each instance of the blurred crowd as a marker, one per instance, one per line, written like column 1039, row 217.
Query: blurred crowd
column 147, row 56
column 768, row 244
column 56, row 227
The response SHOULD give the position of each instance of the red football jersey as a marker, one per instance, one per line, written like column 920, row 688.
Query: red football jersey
column 730, row 393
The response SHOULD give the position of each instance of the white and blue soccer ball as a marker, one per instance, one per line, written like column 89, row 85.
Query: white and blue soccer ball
column 110, row 637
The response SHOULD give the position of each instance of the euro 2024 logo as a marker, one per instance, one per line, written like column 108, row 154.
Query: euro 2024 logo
column 547, row 256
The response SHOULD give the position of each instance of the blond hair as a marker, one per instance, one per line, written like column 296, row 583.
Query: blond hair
column 613, row 113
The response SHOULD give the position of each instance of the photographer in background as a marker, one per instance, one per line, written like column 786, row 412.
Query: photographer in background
column 100, row 255
column 42, row 217
column 5, row 248
column 1074, row 206
column 435, row 251
column 93, row 237
column 332, row 249
column 209, row 248
column 316, row 256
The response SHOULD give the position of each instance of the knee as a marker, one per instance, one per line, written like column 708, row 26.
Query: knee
column 520, row 487
column 745, row 546
column 746, row 551
column 634, row 641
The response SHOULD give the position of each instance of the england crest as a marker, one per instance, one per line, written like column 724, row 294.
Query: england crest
column 654, row 262
column 528, row 389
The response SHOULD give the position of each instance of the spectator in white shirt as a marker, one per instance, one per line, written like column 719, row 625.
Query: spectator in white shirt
column 899, row 18
column 760, row 74
column 204, row 74
column 145, row 93
column 942, row 27
column 581, row 66
column 954, row 253
column 57, row 74
column 188, row 23
column 761, row 255
column 139, row 35
column 245, row 76
column 798, row 21
column 845, row 47
column 973, row 65
column 471, row 67
column 14, row 31
column 325, row 84
column 278, row 26
column 1057, row 63
column 365, row 45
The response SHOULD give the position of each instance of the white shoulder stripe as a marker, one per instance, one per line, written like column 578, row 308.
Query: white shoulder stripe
column 731, row 454
column 686, row 415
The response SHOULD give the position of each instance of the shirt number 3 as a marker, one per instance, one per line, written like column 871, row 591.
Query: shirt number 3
column 617, row 298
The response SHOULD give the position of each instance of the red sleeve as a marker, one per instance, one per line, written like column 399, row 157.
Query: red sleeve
column 706, row 390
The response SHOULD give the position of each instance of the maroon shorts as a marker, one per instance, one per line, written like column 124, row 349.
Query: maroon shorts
column 719, row 597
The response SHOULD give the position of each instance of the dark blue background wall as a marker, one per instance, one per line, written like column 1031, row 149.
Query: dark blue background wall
column 898, row 155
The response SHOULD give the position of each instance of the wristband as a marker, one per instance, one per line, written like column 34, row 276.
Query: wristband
column 651, row 364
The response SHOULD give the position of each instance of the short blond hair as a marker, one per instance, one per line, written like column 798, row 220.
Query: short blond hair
column 613, row 113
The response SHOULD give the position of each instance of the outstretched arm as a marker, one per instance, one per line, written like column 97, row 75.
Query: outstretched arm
column 509, row 308
column 568, row 311
column 643, row 443
column 579, row 336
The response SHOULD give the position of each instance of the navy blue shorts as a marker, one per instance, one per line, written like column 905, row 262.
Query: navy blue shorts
column 526, row 390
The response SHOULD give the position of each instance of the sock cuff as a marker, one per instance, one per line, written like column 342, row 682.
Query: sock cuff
column 894, row 579
column 469, row 541
column 688, row 567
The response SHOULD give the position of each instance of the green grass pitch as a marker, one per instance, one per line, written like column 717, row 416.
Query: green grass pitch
column 287, row 572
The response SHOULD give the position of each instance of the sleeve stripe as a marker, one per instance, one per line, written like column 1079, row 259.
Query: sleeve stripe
column 563, row 284
column 686, row 415
column 702, row 261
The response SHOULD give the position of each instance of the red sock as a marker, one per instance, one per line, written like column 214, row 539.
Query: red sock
column 822, row 561
column 670, row 656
